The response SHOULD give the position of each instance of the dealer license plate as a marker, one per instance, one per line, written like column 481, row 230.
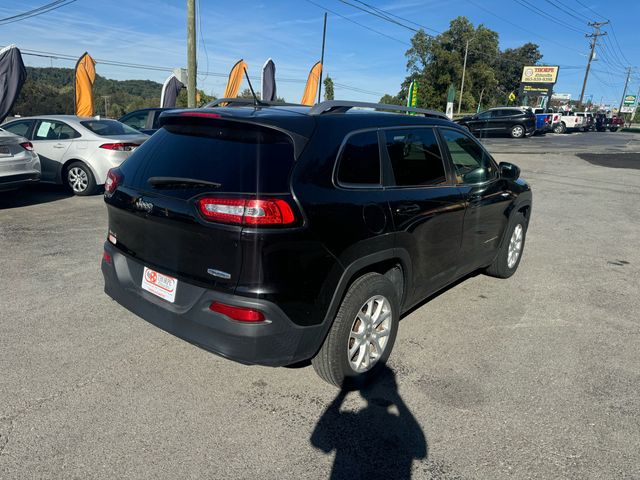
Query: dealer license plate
column 161, row 285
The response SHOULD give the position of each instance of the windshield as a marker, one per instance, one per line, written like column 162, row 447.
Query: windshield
column 108, row 127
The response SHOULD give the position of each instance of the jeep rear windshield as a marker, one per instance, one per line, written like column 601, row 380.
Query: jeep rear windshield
column 241, row 158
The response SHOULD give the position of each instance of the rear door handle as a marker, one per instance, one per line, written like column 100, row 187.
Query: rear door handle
column 58, row 145
column 406, row 209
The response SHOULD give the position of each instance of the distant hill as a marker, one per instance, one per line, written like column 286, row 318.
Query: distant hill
column 50, row 91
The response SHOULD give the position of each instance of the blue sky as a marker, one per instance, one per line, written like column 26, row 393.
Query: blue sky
column 153, row 32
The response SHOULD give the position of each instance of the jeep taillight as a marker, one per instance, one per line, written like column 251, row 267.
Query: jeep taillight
column 27, row 146
column 114, row 177
column 244, row 211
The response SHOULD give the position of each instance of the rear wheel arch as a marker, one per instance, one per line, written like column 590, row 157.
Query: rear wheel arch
column 394, row 264
column 67, row 163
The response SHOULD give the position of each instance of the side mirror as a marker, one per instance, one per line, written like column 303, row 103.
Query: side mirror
column 509, row 171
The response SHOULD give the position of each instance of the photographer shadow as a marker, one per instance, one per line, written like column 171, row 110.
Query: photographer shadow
column 379, row 441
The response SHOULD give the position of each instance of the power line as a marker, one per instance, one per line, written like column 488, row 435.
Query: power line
column 522, row 28
column 49, row 7
column 389, row 14
column 358, row 23
column 384, row 17
column 546, row 16
column 616, row 40
column 568, row 12
column 592, row 10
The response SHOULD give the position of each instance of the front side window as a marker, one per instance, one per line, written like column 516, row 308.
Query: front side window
column 472, row 164
column 359, row 161
column 484, row 115
column 415, row 157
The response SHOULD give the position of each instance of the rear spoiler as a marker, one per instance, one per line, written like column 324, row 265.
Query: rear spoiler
column 210, row 116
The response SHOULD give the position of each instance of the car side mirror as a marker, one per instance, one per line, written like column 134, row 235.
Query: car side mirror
column 509, row 170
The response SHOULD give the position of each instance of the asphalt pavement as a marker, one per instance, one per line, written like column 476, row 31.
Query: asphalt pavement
column 534, row 377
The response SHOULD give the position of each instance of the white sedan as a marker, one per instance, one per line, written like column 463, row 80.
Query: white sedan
column 77, row 151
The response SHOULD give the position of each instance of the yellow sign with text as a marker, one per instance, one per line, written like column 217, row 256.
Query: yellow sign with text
column 540, row 74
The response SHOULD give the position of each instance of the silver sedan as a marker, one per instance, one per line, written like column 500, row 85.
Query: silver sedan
column 77, row 151
column 19, row 164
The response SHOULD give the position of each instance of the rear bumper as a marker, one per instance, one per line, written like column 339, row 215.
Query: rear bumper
column 274, row 342
column 9, row 182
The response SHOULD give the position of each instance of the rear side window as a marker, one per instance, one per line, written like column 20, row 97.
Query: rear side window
column 415, row 157
column 136, row 120
column 359, row 161
column 19, row 128
column 242, row 158
column 108, row 127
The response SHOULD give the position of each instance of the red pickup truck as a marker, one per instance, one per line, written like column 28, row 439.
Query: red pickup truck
column 612, row 123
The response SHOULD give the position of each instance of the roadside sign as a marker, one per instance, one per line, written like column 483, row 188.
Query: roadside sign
column 561, row 96
column 547, row 74
column 536, row 89
column 629, row 100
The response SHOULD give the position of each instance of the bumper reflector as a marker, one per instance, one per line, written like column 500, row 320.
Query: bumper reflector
column 240, row 314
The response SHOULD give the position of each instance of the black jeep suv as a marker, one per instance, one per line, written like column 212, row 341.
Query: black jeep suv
column 513, row 121
column 276, row 234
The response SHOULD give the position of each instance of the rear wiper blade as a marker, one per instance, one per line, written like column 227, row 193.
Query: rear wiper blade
column 180, row 182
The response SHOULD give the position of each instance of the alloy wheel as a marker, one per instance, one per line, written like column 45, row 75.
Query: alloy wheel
column 78, row 179
column 517, row 131
column 515, row 246
column 369, row 334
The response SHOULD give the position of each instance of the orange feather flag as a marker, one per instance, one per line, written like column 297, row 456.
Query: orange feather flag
column 311, row 90
column 235, row 78
column 85, row 76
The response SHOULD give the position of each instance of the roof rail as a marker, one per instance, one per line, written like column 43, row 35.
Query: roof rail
column 240, row 102
column 342, row 106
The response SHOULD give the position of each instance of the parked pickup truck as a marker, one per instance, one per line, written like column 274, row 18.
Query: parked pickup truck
column 569, row 122
column 589, row 121
column 546, row 119
column 602, row 122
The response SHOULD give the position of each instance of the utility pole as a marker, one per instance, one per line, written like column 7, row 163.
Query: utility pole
column 594, row 36
column 191, row 53
column 106, row 105
column 624, row 92
column 464, row 69
column 324, row 34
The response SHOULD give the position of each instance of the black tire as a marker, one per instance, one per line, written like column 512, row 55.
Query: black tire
column 560, row 128
column 79, row 178
column 518, row 131
column 614, row 129
column 500, row 267
column 332, row 361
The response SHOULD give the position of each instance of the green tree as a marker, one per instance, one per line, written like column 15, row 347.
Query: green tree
column 390, row 100
column 436, row 62
column 328, row 88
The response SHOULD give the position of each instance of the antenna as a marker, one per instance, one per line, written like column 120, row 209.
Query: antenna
column 256, row 102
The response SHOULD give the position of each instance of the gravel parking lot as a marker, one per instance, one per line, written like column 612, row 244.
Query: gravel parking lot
column 532, row 377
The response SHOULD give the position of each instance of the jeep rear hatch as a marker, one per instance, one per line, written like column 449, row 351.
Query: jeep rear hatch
column 180, row 202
